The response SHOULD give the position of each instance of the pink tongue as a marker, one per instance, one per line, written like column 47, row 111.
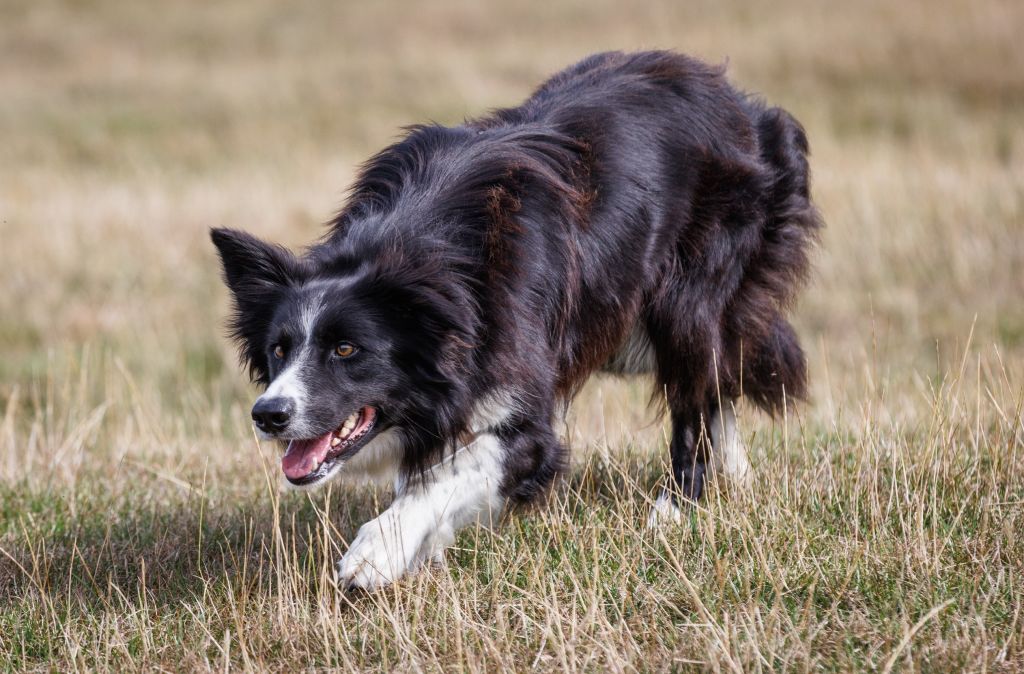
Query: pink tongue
column 304, row 456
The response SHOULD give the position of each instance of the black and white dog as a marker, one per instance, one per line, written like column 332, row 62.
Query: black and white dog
column 636, row 215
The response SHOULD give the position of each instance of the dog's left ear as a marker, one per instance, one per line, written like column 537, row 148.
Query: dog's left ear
column 257, row 273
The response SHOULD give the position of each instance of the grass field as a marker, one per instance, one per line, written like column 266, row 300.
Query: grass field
column 141, row 526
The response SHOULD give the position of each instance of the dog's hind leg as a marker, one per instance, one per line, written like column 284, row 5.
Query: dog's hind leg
column 684, row 354
column 689, row 456
column 696, row 378
column 697, row 439
column 727, row 449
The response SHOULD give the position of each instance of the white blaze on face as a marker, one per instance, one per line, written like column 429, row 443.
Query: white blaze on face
column 289, row 384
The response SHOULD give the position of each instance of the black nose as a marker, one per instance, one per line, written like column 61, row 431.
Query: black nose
column 273, row 415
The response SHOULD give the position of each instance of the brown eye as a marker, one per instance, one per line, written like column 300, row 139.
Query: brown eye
column 278, row 351
column 344, row 350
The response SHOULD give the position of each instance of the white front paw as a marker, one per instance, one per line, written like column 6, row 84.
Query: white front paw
column 379, row 555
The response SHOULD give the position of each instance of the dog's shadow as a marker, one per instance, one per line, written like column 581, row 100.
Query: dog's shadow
column 170, row 548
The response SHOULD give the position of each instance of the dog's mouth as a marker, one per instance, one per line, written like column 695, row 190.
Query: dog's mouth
column 308, row 460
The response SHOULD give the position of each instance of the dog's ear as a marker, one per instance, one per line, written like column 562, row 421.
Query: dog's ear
column 257, row 273
column 251, row 265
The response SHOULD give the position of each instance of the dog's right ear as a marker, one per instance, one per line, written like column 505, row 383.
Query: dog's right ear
column 257, row 273
column 251, row 265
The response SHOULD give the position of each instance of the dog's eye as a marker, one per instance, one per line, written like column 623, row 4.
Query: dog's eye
column 344, row 350
column 278, row 351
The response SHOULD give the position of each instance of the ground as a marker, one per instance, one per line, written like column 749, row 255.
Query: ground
column 141, row 526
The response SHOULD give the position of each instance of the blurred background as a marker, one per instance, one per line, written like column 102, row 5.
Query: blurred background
column 128, row 129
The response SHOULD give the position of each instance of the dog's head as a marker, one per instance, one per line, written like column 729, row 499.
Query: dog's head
column 346, row 348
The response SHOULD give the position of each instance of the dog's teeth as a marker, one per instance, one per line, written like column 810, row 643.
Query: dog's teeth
column 316, row 464
column 346, row 429
column 335, row 441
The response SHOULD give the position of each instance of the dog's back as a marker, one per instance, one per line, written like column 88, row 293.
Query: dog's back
column 698, row 225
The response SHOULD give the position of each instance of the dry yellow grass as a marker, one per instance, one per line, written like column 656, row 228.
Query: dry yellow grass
column 141, row 527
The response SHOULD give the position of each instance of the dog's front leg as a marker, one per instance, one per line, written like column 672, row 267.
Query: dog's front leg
column 425, row 516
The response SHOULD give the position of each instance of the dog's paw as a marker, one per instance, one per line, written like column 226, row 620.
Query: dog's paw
column 387, row 548
column 665, row 512
column 734, row 466
column 739, row 477
column 378, row 556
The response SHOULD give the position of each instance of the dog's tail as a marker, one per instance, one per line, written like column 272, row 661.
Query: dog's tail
column 775, row 369
column 793, row 221
column 774, row 364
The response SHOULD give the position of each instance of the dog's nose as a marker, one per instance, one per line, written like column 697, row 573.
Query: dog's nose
column 272, row 415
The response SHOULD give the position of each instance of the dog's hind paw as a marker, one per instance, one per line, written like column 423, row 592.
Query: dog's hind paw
column 665, row 512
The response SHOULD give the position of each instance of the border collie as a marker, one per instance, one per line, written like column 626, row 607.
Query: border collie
column 636, row 215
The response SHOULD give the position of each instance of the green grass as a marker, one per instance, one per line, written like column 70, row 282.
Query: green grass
column 848, row 538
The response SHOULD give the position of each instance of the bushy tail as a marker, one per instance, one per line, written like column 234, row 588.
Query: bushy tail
column 793, row 221
column 775, row 369
column 774, row 364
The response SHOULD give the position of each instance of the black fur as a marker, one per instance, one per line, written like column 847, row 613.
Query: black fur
column 517, row 252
